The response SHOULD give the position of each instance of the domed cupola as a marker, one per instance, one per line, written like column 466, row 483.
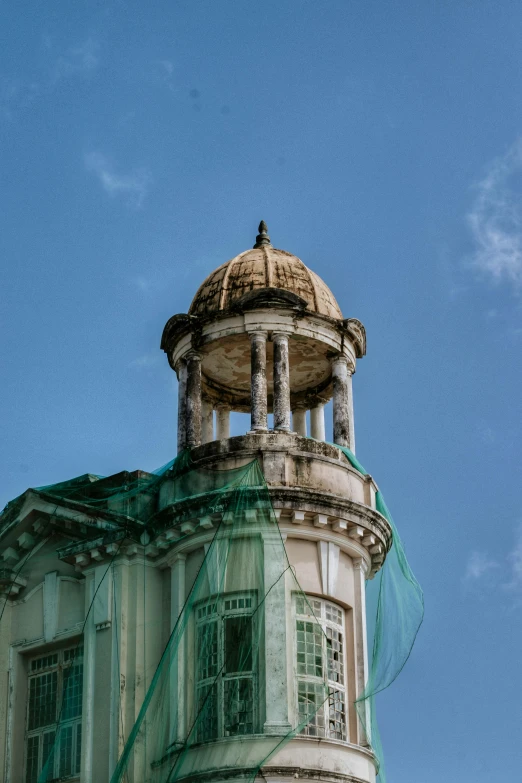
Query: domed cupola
column 262, row 267
column 263, row 334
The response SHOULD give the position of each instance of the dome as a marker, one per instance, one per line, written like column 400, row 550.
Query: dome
column 263, row 267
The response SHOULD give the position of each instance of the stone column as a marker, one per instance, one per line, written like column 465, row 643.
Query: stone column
column 181, row 372
column 207, row 422
column 177, row 669
column 281, row 382
column 222, row 421
column 299, row 420
column 361, row 646
column 317, row 422
column 258, row 381
column 350, row 410
column 341, row 401
column 193, row 399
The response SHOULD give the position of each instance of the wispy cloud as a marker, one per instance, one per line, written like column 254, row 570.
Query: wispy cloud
column 515, row 565
column 484, row 573
column 142, row 283
column 478, row 566
column 18, row 93
column 166, row 74
column 495, row 219
column 146, row 361
column 81, row 58
column 133, row 186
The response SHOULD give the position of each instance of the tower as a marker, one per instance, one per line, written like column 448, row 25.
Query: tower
column 206, row 622
column 264, row 335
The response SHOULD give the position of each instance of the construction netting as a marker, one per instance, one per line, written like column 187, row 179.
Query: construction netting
column 216, row 693
column 394, row 614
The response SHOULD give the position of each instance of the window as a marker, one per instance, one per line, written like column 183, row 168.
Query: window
column 320, row 660
column 226, row 680
column 54, row 704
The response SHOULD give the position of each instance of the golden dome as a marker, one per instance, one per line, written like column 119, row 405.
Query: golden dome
column 263, row 267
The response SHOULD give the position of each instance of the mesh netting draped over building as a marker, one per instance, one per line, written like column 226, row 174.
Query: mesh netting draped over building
column 236, row 598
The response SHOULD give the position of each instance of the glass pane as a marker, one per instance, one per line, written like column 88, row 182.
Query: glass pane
column 335, row 655
column 310, row 698
column 207, row 651
column 48, row 755
column 207, row 610
column 42, row 700
column 78, row 748
column 44, row 663
column 336, row 715
column 238, row 644
column 31, row 775
column 334, row 614
column 239, row 706
column 207, row 712
column 74, row 654
column 73, row 686
column 309, row 648
column 66, row 738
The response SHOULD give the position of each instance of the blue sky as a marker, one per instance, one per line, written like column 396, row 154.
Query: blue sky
column 140, row 145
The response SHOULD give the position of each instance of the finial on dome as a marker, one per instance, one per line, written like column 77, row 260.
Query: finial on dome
column 262, row 238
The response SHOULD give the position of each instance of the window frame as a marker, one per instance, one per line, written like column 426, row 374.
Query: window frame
column 219, row 680
column 59, row 662
column 316, row 613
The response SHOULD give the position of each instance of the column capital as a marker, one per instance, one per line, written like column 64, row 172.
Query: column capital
column 174, row 558
column 280, row 334
column 223, row 406
column 360, row 564
column 258, row 334
column 180, row 364
column 192, row 355
column 342, row 359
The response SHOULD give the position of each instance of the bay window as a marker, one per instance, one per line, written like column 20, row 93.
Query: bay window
column 226, row 670
column 320, row 668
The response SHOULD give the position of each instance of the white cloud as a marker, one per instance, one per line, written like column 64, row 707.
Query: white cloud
column 143, row 283
column 495, row 219
column 515, row 564
column 81, row 58
column 17, row 94
column 168, row 66
column 146, row 361
column 482, row 572
column 166, row 74
column 133, row 186
column 478, row 565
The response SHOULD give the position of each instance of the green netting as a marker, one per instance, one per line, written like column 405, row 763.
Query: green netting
column 239, row 592
column 394, row 612
column 214, row 701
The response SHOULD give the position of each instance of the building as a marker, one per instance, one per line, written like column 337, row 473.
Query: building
column 137, row 583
